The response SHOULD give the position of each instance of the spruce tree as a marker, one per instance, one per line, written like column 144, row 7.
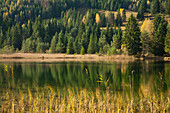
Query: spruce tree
column 53, row 43
column 90, row 49
column 119, row 38
column 159, row 38
column 167, row 41
column 155, row 6
column 131, row 36
column 60, row 45
column 118, row 18
column 70, row 49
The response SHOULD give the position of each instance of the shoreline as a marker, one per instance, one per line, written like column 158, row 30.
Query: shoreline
column 44, row 57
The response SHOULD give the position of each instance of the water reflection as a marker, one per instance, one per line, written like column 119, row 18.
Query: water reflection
column 139, row 76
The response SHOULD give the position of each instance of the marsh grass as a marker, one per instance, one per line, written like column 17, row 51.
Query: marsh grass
column 48, row 100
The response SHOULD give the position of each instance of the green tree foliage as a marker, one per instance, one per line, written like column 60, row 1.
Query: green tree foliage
column 145, row 40
column 102, row 43
column 167, row 41
column 142, row 10
column 60, row 45
column 131, row 36
column 118, row 41
column 82, row 52
column 118, row 18
column 159, row 38
column 91, row 45
column 1, row 38
column 70, row 48
column 168, row 7
column 16, row 36
column 53, row 43
column 155, row 6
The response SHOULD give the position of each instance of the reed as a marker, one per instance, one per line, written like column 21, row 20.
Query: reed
column 83, row 101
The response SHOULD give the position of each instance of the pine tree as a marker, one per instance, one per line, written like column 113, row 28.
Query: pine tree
column 155, row 6
column 82, row 52
column 168, row 7
column 118, row 18
column 109, row 35
column 167, row 41
column 30, row 30
column 60, row 45
column 159, row 39
column 53, row 43
column 70, row 49
column 156, row 22
column 131, row 36
column 90, row 49
column 102, row 42
column 119, row 38
column 140, row 14
column 1, row 38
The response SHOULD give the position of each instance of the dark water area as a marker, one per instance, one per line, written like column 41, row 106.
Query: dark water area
column 153, row 76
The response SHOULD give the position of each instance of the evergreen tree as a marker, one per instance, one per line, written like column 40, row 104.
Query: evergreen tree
column 53, row 43
column 156, row 22
column 109, row 35
column 155, row 6
column 118, row 18
column 140, row 14
column 70, row 49
column 124, row 16
column 82, row 52
column 167, row 41
column 159, row 38
column 1, row 38
column 131, row 36
column 60, row 45
column 16, row 36
column 90, row 49
column 102, row 42
column 119, row 38
column 30, row 30
column 168, row 7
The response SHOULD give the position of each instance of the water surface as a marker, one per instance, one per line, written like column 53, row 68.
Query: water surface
column 116, row 76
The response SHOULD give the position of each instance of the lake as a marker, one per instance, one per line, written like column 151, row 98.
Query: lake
column 139, row 77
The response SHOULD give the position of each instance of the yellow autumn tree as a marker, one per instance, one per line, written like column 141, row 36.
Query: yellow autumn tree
column 147, row 25
column 121, row 11
column 109, row 17
column 97, row 18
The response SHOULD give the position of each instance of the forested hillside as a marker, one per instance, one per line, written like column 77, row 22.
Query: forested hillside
column 58, row 26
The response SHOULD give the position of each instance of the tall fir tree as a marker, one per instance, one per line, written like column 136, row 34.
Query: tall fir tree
column 159, row 38
column 70, row 48
column 53, row 43
column 167, row 41
column 155, row 6
column 60, row 45
column 131, row 36
column 90, row 49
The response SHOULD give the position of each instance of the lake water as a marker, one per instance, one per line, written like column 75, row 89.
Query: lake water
column 116, row 76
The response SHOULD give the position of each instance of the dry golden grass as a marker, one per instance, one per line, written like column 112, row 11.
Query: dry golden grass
column 48, row 100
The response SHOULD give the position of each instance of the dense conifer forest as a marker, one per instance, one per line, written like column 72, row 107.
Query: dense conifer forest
column 74, row 27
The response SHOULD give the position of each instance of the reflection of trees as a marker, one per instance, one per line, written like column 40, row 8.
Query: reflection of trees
column 72, row 74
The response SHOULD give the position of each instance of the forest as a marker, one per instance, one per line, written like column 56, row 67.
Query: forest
column 59, row 26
